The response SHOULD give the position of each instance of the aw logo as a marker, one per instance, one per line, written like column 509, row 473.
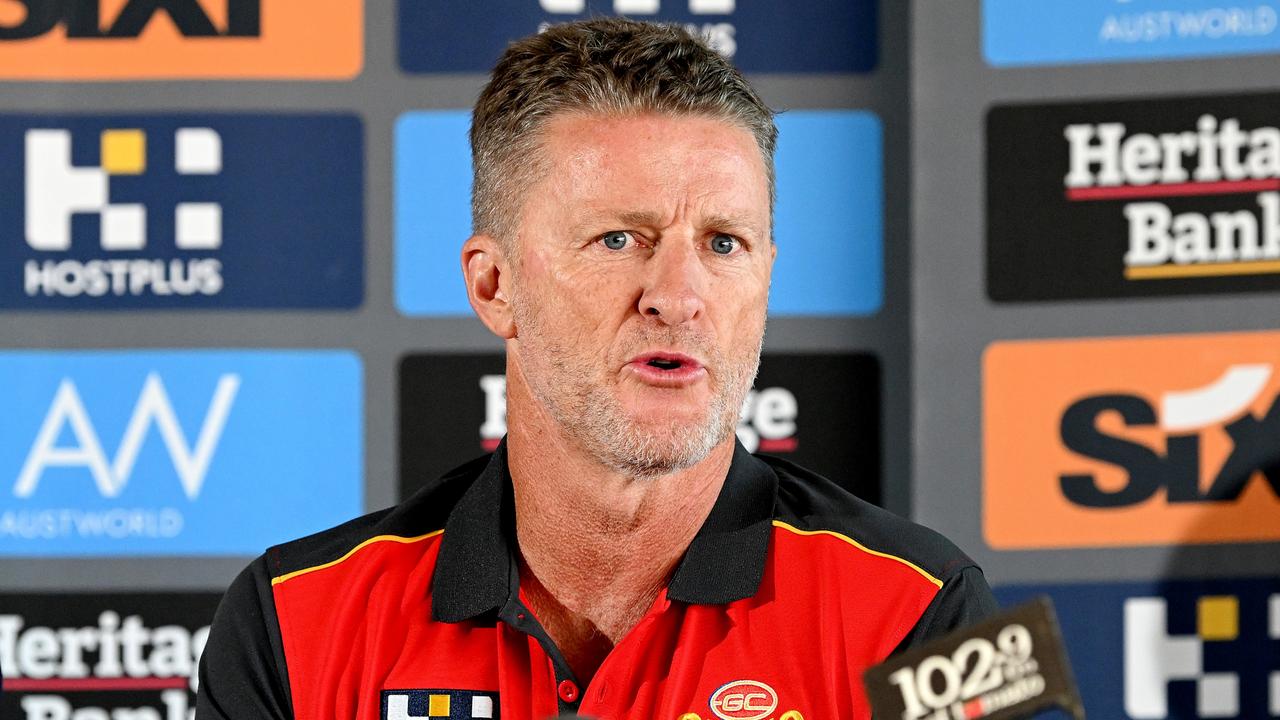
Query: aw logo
column 1132, row 441
column 182, row 211
column 820, row 411
column 1204, row 649
column 180, row 39
column 169, row 453
column 814, row 36
column 828, row 223
column 1015, row 32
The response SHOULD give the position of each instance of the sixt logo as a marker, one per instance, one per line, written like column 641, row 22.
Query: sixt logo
column 84, row 19
column 1183, row 417
column 767, row 422
column 55, row 190
column 1218, row 157
column 1153, row 658
column 179, row 39
column 1088, row 444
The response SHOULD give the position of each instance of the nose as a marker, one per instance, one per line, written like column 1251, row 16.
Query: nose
column 674, row 284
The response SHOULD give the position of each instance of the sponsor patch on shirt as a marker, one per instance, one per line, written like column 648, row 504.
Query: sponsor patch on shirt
column 451, row 704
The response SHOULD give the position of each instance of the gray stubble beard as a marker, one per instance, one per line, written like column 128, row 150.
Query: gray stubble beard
column 590, row 416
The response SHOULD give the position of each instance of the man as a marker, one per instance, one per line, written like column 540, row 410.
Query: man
column 619, row 555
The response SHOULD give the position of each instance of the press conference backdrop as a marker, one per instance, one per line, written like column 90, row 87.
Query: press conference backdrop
column 1026, row 293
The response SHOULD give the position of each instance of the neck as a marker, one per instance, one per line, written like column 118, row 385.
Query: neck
column 597, row 546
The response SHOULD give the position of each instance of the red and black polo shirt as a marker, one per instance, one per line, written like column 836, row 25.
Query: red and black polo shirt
column 791, row 588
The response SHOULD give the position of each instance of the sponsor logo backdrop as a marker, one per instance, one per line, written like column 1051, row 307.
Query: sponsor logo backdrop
column 812, row 36
column 88, row 655
column 1019, row 32
column 1170, row 649
column 185, row 211
column 821, row 411
column 1135, row 198
column 181, row 39
column 828, row 223
column 1131, row 441
column 176, row 452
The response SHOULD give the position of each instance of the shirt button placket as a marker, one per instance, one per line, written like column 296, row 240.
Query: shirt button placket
column 568, row 691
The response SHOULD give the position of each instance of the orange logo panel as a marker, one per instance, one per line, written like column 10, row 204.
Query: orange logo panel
column 186, row 39
column 1132, row 441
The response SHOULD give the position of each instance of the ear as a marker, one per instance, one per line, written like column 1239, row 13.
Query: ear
column 484, row 269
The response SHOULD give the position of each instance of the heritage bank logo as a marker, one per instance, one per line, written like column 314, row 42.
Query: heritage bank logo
column 1016, row 32
column 175, row 452
column 1174, row 649
column 1138, row 198
column 1132, row 441
column 85, row 656
column 180, row 39
column 821, row 411
column 186, row 211
column 813, row 36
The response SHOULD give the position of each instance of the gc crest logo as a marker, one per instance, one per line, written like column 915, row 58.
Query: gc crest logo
column 744, row 700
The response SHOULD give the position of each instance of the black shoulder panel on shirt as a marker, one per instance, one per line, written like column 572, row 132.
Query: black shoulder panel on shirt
column 812, row 502
column 423, row 512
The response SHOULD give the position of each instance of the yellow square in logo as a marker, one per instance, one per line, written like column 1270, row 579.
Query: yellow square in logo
column 438, row 706
column 124, row 152
column 1218, row 617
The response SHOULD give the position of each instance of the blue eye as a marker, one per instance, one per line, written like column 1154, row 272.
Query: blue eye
column 615, row 239
column 723, row 244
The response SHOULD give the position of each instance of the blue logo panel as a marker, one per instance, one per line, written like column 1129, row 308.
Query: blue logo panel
column 181, row 211
column 1050, row 32
column 1176, row 649
column 815, row 36
column 110, row 453
column 828, row 221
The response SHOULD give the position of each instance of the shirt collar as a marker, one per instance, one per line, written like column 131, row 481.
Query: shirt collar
column 476, row 573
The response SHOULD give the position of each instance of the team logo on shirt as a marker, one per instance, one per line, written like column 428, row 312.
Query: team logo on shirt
column 744, row 700
column 439, row 705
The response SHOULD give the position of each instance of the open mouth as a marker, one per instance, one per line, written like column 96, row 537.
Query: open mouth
column 665, row 364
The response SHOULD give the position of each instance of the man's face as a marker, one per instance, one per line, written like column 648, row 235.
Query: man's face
column 643, row 259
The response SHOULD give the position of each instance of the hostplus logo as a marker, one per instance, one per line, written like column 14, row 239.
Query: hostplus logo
column 1154, row 658
column 57, row 190
column 719, row 34
column 767, row 422
column 1218, row 157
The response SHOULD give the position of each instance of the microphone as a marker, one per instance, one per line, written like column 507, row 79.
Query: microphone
column 1011, row 665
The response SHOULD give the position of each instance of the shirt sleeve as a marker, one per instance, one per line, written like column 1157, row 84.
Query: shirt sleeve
column 242, row 670
column 963, row 600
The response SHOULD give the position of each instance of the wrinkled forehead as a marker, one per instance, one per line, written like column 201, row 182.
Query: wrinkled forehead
column 651, row 163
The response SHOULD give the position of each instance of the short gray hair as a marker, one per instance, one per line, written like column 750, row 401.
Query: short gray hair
column 611, row 66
